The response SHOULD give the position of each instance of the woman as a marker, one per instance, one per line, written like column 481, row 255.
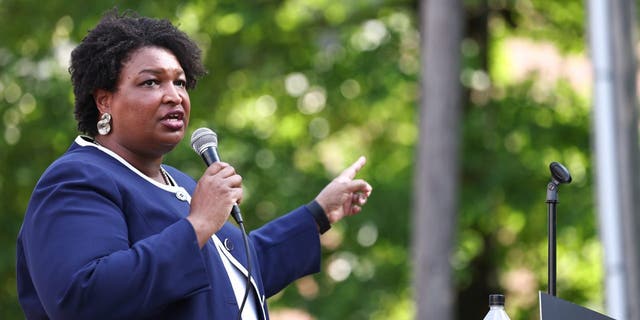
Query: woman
column 111, row 232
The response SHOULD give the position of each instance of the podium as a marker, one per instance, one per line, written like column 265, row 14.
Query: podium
column 554, row 308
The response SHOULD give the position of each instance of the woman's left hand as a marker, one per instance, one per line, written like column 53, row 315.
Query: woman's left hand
column 344, row 196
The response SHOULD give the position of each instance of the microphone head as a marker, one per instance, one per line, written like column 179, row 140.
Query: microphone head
column 203, row 138
column 559, row 173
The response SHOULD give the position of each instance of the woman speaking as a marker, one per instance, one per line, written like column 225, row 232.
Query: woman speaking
column 111, row 232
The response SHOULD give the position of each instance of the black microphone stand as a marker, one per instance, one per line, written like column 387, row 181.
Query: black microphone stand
column 559, row 175
column 552, row 200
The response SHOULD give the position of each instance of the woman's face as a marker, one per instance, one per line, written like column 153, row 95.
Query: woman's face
column 150, row 106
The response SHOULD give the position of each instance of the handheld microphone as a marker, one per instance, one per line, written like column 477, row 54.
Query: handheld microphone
column 205, row 143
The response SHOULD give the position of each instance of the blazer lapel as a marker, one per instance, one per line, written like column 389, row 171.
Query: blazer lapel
column 260, row 298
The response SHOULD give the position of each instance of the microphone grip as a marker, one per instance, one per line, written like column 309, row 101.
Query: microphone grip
column 210, row 155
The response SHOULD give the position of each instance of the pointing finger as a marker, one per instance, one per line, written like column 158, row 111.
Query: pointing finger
column 351, row 171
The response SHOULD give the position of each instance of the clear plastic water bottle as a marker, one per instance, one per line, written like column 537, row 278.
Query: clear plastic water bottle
column 496, row 308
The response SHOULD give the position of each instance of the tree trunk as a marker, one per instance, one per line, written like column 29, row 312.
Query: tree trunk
column 436, row 183
column 617, row 157
column 624, row 77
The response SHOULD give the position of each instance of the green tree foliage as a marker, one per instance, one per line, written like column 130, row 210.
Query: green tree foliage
column 513, row 129
column 297, row 90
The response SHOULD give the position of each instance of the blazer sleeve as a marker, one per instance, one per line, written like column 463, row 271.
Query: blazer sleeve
column 288, row 248
column 81, row 261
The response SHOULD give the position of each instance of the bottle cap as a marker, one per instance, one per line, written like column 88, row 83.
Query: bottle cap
column 496, row 300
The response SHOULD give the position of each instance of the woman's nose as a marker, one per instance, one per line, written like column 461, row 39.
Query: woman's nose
column 172, row 95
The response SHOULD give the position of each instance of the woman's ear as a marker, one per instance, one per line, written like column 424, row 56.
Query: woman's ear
column 102, row 99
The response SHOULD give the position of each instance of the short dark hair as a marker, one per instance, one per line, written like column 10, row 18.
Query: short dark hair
column 97, row 61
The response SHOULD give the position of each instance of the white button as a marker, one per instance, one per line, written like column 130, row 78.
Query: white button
column 181, row 195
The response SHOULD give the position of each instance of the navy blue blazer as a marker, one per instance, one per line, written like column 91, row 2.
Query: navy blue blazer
column 100, row 240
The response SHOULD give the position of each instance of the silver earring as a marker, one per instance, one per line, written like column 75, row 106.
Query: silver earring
column 104, row 125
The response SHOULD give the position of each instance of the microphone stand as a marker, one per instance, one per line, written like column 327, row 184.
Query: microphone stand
column 552, row 201
column 559, row 174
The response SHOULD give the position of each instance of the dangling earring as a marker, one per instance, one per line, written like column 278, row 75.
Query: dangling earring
column 104, row 125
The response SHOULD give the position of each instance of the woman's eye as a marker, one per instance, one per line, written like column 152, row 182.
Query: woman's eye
column 150, row 82
column 180, row 83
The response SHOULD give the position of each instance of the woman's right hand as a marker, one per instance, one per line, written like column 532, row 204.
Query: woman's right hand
column 219, row 188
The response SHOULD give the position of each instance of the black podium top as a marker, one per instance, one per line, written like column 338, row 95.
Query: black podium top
column 554, row 308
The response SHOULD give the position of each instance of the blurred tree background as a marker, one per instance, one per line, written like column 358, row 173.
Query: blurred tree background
column 298, row 89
